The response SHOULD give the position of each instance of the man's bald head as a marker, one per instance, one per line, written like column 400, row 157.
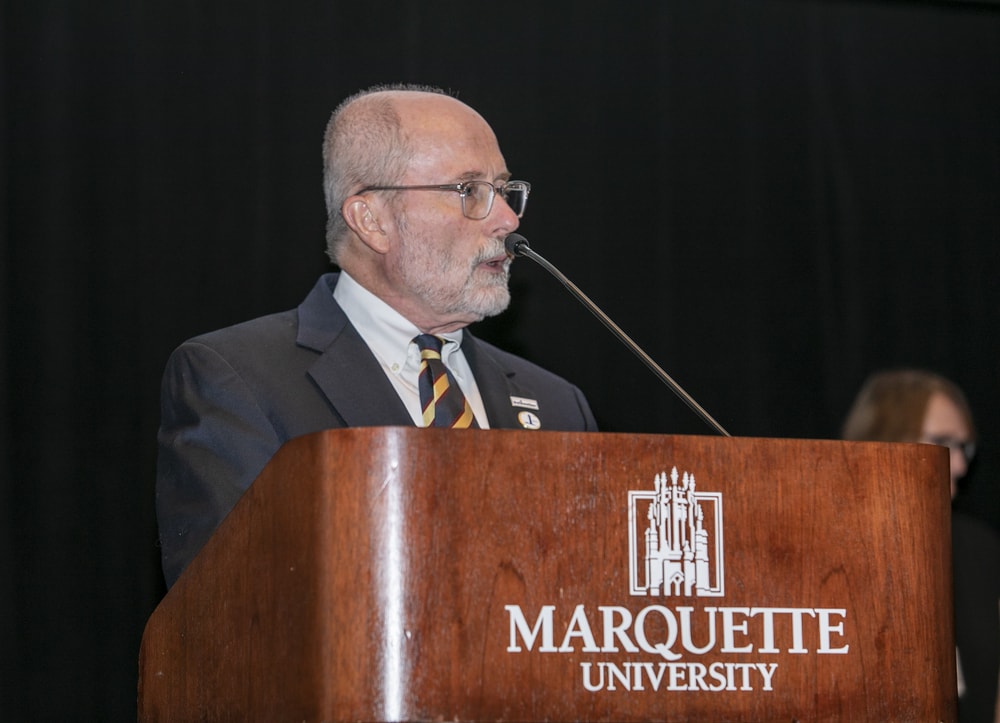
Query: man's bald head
column 365, row 145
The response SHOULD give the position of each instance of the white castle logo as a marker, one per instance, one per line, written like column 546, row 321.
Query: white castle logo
column 679, row 551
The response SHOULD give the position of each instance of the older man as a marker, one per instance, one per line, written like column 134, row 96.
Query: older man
column 419, row 200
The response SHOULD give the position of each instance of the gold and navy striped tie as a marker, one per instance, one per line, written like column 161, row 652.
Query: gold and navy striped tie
column 441, row 398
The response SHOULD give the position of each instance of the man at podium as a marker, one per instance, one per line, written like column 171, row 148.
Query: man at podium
column 419, row 201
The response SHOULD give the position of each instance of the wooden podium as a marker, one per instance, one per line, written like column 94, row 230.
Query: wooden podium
column 398, row 574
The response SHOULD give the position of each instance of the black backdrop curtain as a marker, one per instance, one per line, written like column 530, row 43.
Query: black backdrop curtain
column 773, row 198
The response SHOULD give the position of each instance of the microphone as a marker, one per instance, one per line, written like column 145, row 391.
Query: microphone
column 517, row 245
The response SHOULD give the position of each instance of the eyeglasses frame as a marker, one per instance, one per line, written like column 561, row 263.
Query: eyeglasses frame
column 968, row 449
column 463, row 190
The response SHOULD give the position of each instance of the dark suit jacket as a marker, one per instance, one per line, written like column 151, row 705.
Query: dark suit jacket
column 975, row 549
column 232, row 397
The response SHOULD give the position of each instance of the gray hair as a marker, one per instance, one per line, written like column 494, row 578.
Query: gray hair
column 363, row 146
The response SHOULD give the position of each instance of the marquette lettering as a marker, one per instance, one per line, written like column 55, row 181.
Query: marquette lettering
column 674, row 633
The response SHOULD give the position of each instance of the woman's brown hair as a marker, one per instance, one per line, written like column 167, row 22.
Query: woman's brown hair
column 891, row 405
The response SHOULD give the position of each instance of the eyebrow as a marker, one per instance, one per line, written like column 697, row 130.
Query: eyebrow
column 476, row 176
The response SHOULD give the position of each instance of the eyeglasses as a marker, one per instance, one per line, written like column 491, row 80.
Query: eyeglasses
column 477, row 196
column 968, row 449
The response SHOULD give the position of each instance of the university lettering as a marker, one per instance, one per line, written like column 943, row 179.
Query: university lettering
column 713, row 678
column 673, row 632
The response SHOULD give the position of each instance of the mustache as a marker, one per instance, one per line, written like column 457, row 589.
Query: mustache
column 494, row 250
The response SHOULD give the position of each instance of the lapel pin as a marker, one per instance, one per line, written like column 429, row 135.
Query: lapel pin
column 529, row 420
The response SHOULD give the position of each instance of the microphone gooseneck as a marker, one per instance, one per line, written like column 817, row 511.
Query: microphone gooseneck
column 517, row 245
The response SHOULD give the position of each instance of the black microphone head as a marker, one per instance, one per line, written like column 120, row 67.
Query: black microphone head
column 515, row 244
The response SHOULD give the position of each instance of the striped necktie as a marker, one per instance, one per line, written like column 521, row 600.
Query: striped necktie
column 441, row 398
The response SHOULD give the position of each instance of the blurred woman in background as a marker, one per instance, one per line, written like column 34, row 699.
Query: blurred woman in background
column 910, row 405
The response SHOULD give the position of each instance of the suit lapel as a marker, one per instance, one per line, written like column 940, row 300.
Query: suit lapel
column 346, row 371
column 352, row 379
column 497, row 384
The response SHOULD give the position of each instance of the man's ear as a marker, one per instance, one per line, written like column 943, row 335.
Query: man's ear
column 362, row 218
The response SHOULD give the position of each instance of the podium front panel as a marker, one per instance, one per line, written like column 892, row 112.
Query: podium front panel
column 400, row 574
